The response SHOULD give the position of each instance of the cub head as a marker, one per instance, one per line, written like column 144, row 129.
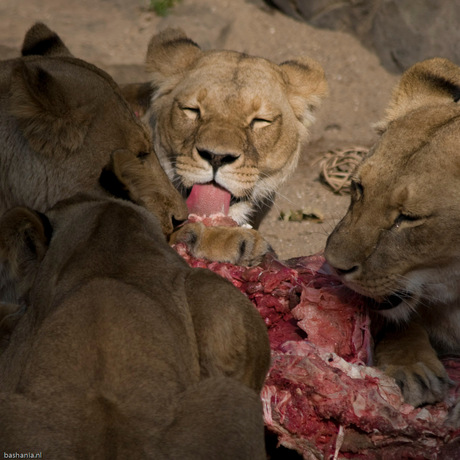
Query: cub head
column 228, row 127
column 399, row 242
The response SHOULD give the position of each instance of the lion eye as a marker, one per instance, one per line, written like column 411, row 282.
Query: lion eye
column 193, row 113
column 142, row 155
column 406, row 220
column 257, row 123
column 357, row 189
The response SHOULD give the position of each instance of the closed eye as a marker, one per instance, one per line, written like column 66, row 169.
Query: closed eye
column 142, row 155
column 257, row 123
column 194, row 113
column 407, row 220
column 357, row 190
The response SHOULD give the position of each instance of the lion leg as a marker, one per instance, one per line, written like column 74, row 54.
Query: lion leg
column 407, row 356
column 231, row 335
column 217, row 418
column 144, row 182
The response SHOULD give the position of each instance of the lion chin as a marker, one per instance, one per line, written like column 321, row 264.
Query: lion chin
column 227, row 127
column 399, row 241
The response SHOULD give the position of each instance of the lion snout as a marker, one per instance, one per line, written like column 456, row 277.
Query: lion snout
column 350, row 272
column 215, row 159
column 343, row 262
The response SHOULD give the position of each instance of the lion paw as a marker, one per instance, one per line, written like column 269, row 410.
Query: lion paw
column 236, row 245
column 420, row 383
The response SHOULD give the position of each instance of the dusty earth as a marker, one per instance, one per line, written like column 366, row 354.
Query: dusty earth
column 113, row 34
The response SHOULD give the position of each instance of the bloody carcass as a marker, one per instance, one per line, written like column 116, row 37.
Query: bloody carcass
column 322, row 397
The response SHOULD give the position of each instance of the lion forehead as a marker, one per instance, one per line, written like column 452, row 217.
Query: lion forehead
column 420, row 149
column 239, row 68
column 233, row 87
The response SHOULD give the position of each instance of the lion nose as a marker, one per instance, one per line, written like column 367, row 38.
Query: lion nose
column 343, row 269
column 341, row 265
column 216, row 160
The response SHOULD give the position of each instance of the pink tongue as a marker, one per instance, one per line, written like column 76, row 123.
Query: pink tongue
column 208, row 199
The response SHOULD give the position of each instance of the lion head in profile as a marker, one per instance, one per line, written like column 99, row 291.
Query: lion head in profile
column 65, row 128
column 399, row 242
column 228, row 127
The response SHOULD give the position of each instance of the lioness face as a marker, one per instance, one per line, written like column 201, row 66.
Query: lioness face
column 223, row 125
column 399, row 241
column 228, row 127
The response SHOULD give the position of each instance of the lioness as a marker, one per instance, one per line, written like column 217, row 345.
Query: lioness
column 121, row 349
column 65, row 128
column 227, row 127
column 399, row 242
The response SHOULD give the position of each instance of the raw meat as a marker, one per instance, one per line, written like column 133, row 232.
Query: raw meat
column 321, row 397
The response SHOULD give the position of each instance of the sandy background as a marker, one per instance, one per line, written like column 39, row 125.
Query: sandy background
column 113, row 34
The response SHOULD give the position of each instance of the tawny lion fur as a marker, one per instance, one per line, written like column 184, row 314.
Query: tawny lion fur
column 231, row 119
column 120, row 349
column 66, row 128
column 399, row 242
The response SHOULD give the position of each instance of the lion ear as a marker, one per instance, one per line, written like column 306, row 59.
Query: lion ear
column 307, row 87
column 40, row 40
column 431, row 82
column 138, row 95
column 50, row 117
column 24, row 240
column 169, row 53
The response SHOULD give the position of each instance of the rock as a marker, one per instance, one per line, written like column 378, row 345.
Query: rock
column 401, row 32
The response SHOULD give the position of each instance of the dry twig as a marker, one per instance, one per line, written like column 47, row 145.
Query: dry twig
column 337, row 166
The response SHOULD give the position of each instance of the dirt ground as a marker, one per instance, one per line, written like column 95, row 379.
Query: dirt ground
column 114, row 34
